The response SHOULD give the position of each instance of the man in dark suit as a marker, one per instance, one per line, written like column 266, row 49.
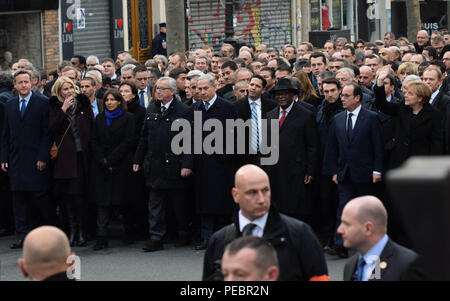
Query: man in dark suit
column 254, row 108
column 299, row 153
column 213, row 168
column 354, row 152
column 363, row 228
column 24, row 155
column 227, row 70
column 165, row 172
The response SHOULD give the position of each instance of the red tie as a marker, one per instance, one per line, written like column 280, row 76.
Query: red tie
column 283, row 117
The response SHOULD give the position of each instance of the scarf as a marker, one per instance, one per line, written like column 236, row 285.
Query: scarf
column 112, row 115
column 330, row 109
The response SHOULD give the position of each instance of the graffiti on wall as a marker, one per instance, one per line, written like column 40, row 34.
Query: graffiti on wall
column 252, row 23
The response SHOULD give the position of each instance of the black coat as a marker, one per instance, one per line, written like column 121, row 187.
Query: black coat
column 244, row 112
column 115, row 145
column 442, row 104
column 299, row 152
column 26, row 141
column 139, row 115
column 162, row 167
column 300, row 255
column 224, row 90
column 214, row 174
column 397, row 261
column 420, row 137
column 5, row 94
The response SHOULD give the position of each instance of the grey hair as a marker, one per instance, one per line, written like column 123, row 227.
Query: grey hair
column 97, row 74
column 348, row 70
column 411, row 77
column 26, row 61
column 172, row 82
column 93, row 57
column 342, row 39
column 127, row 67
column 164, row 59
column 211, row 79
column 36, row 74
column 241, row 70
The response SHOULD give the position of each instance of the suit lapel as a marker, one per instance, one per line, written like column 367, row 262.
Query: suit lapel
column 290, row 117
column 385, row 258
column 16, row 110
column 358, row 124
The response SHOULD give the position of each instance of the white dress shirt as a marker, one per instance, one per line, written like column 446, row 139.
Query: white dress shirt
column 259, row 222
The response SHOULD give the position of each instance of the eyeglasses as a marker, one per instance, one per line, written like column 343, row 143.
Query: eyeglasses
column 346, row 95
column 162, row 89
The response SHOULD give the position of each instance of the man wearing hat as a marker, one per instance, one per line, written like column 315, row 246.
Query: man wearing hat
column 299, row 152
column 159, row 44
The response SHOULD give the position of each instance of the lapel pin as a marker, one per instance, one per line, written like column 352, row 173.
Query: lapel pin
column 383, row 265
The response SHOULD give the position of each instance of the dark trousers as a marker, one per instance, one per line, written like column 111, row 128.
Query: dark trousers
column 6, row 212
column 158, row 202
column 329, row 204
column 347, row 191
column 210, row 223
column 104, row 216
column 32, row 209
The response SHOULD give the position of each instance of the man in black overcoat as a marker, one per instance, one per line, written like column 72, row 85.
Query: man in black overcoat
column 214, row 170
column 25, row 154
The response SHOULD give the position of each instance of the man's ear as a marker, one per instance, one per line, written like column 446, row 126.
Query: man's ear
column 234, row 193
column 22, row 268
column 272, row 274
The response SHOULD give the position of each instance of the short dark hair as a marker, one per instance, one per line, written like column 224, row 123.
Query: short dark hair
column 391, row 79
column 357, row 91
column 270, row 69
column 81, row 59
column 263, row 80
column 138, row 69
column 352, row 50
column 20, row 72
column 116, row 94
column 332, row 81
column 175, row 73
column 6, row 80
column 90, row 79
column 302, row 63
column 439, row 64
column 108, row 59
column 318, row 54
column 432, row 51
column 284, row 67
column 266, row 255
column 230, row 64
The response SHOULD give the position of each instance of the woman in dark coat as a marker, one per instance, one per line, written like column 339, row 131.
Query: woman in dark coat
column 71, row 120
column 307, row 92
column 112, row 152
column 418, row 130
column 138, row 195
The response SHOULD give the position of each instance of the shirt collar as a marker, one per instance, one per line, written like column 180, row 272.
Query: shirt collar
column 355, row 112
column 433, row 96
column 260, row 222
column 212, row 101
column 258, row 101
column 375, row 252
column 145, row 90
column 389, row 98
column 167, row 105
column 27, row 98
column 288, row 109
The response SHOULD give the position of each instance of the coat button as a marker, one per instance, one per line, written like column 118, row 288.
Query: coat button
column 282, row 239
column 167, row 161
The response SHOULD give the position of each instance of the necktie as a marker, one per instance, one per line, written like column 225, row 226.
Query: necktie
column 163, row 109
column 358, row 276
column 142, row 98
column 22, row 108
column 248, row 229
column 283, row 117
column 349, row 126
column 206, row 106
column 255, row 128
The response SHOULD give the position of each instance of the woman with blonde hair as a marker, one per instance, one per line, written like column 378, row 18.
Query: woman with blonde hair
column 406, row 69
column 418, row 130
column 71, row 121
column 307, row 93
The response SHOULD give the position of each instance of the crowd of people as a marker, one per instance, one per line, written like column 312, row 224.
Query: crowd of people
column 92, row 142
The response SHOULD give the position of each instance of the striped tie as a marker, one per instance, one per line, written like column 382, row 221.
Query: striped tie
column 255, row 128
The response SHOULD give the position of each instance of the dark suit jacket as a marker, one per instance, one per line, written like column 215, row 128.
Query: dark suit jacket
column 26, row 141
column 214, row 174
column 224, row 90
column 421, row 136
column 244, row 112
column 398, row 260
column 299, row 152
column 362, row 154
column 48, row 88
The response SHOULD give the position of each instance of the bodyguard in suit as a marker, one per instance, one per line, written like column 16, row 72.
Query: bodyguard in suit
column 299, row 153
column 378, row 258
column 165, row 172
column 25, row 155
column 354, row 152
column 213, row 173
column 254, row 107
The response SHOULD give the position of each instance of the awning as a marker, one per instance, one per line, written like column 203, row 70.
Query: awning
column 26, row 5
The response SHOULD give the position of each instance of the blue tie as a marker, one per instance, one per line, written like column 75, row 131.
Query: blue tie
column 255, row 128
column 349, row 126
column 22, row 108
column 206, row 106
column 360, row 269
column 142, row 98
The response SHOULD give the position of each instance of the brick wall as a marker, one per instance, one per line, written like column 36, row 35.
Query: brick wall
column 51, row 39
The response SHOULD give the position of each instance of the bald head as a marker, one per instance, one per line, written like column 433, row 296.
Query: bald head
column 249, row 173
column 371, row 209
column 45, row 253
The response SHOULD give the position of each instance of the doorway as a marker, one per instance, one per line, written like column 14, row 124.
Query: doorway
column 140, row 34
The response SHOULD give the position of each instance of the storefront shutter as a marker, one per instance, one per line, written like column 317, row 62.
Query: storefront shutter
column 95, row 38
column 256, row 22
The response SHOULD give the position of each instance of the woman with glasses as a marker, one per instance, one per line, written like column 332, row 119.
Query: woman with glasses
column 112, row 152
